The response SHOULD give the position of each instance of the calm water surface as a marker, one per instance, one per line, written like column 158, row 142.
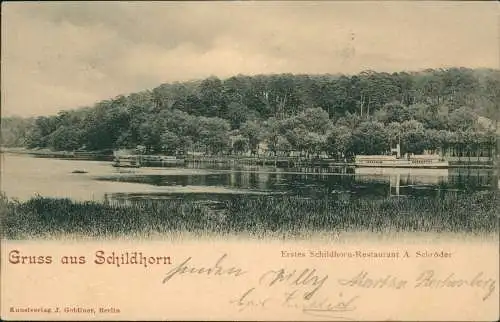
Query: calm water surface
column 24, row 176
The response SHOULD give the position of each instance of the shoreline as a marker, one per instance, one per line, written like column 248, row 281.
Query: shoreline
column 232, row 160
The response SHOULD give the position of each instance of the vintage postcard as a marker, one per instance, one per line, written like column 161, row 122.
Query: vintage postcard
column 269, row 161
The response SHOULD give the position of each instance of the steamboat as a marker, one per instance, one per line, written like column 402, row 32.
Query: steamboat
column 429, row 161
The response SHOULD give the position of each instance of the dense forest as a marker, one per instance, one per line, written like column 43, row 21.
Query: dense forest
column 339, row 115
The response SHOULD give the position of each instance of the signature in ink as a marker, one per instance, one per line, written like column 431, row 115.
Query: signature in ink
column 307, row 278
column 248, row 300
column 218, row 269
column 329, row 310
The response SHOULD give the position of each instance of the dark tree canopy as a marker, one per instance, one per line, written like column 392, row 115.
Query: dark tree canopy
column 336, row 114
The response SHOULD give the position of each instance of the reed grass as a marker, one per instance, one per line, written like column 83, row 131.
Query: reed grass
column 287, row 216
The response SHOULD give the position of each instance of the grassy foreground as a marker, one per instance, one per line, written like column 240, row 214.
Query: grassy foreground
column 285, row 216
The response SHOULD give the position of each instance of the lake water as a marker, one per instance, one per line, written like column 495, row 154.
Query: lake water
column 24, row 176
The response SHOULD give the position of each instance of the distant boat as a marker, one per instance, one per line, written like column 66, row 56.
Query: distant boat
column 431, row 161
column 127, row 161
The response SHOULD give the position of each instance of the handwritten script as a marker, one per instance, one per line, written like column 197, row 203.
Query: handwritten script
column 322, row 293
column 217, row 269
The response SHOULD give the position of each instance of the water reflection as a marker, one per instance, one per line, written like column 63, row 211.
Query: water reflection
column 329, row 182
column 24, row 176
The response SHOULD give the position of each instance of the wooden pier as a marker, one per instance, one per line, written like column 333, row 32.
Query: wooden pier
column 286, row 162
column 139, row 160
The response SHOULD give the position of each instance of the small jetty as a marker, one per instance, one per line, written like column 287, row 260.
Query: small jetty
column 160, row 160
column 139, row 160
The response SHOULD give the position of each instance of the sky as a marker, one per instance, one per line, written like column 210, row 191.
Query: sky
column 65, row 55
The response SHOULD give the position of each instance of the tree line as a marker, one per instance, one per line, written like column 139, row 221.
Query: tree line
column 455, row 108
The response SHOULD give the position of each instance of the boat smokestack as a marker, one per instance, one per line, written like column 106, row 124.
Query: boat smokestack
column 397, row 150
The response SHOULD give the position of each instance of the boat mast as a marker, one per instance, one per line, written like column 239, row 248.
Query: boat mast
column 399, row 145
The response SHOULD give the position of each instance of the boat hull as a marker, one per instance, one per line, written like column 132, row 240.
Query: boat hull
column 435, row 165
